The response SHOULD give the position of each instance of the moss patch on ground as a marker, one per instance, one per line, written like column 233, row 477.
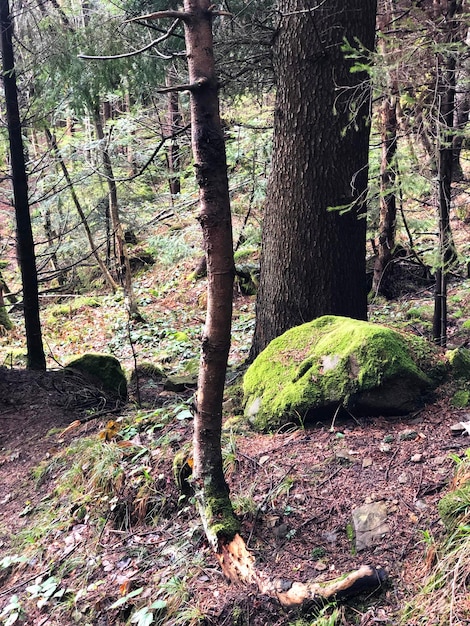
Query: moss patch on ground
column 336, row 360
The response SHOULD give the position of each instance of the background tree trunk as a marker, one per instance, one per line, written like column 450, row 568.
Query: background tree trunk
column 215, row 219
column 446, row 88
column 388, row 174
column 25, row 245
column 173, row 125
column 118, row 244
column 313, row 258
column 55, row 148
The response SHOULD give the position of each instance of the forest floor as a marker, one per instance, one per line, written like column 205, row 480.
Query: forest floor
column 93, row 529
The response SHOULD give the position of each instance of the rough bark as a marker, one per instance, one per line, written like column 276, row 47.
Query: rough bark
column 313, row 258
column 388, row 199
column 446, row 88
column 25, row 244
column 388, row 177
column 215, row 220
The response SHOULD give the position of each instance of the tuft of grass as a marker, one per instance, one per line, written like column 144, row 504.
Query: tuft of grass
column 444, row 593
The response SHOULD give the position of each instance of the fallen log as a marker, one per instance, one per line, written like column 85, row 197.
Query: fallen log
column 239, row 566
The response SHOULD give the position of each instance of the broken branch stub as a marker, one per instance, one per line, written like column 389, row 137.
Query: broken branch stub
column 239, row 566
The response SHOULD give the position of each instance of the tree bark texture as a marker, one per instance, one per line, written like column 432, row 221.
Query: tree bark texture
column 388, row 174
column 215, row 220
column 313, row 258
column 25, row 244
column 388, row 199
column 446, row 88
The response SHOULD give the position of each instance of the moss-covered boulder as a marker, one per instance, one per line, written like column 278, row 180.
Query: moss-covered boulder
column 312, row 369
column 104, row 370
column 459, row 360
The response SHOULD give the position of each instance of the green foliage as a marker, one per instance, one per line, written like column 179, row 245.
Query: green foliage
column 170, row 250
column 12, row 612
column 444, row 591
column 461, row 399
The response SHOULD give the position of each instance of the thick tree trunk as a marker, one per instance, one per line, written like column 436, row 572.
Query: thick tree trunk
column 25, row 245
column 215, row 219
column 313, row 258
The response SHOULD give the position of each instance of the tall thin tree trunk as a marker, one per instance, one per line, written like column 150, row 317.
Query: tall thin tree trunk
column 173, row 124
column 215, row 220
column 446, row 88
column 119, row 248
column 55, row 148
column 388, row 175
column 388, row 199
column 25, row 244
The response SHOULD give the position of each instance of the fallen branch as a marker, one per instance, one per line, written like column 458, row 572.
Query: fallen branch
column 238, row 565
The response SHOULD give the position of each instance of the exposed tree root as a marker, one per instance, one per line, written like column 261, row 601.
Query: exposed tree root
column 238, row 565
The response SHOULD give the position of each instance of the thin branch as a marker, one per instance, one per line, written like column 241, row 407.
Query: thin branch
column 125, row 55
column 177, row 15
column 189, row 87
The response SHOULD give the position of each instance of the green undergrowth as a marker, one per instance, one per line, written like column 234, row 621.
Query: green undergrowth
column 443, row 597
column 98, row 490
column 99, row 498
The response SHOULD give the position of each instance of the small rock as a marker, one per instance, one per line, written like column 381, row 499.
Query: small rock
column 403, row 478
column 416, row 458
column 320, row 566
column 367, row 462
column 370, row 524
column 408, row 435
column 385, row 447
column 281, row 531
column 461, row 428
column 421, row 505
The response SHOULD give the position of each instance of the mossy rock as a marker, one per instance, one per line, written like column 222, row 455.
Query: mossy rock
column 104, row 370
column 459, row 360
column 147, row 370
column 461, row 398
column 180, row 383
column 312, row 369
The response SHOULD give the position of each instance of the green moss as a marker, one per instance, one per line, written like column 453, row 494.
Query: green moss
column 454, row 506
column 329, row 361
column 104, row 368
column 5, row 320
column 217, row 513
column 461, row 399
column 70, row 307
column 149, row 370
column 459, row 360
